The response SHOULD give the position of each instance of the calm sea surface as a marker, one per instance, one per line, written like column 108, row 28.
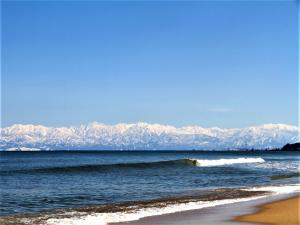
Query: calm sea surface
column 41, row 181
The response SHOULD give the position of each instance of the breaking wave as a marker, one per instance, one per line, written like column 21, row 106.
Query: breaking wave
column 139, row 165
column 222, row 162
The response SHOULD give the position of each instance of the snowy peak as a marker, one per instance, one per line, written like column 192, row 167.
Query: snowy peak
column 145, row 136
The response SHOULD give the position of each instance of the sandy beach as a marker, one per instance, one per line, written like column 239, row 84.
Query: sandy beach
column 285, row 211
column 281, row 212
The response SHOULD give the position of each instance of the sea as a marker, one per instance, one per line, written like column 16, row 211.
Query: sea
column 102, row 187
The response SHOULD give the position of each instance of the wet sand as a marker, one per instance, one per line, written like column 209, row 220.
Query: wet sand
column 218, row 215
column 281, row 212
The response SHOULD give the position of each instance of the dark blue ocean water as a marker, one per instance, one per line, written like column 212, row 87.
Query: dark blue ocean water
column 39, row 181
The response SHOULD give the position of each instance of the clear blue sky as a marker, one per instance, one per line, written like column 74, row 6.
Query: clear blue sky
column 226, row 64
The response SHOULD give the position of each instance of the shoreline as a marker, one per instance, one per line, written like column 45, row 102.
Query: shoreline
column 181, row 211
column 285, row 211
column 217, row 215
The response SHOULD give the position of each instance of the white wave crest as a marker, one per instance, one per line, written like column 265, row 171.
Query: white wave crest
column 221, row 162
column 106, row 218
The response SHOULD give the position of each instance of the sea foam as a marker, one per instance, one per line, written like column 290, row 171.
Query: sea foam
column 222, row 162
column 106, row 218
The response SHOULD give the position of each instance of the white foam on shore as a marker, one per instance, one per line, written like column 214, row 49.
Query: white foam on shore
column 106, row 218
column 221, row 162
column 277, row 189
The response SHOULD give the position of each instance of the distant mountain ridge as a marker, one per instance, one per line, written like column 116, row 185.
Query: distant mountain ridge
column 144, row 136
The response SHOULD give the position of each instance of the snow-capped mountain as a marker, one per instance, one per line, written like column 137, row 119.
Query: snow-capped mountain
column 145, row 136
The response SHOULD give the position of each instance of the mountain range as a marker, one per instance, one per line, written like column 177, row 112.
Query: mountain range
column 144, row 136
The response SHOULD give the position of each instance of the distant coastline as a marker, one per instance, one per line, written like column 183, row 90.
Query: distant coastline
column 291, row 147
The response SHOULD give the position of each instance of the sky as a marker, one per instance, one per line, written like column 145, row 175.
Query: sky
column 219, row 63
